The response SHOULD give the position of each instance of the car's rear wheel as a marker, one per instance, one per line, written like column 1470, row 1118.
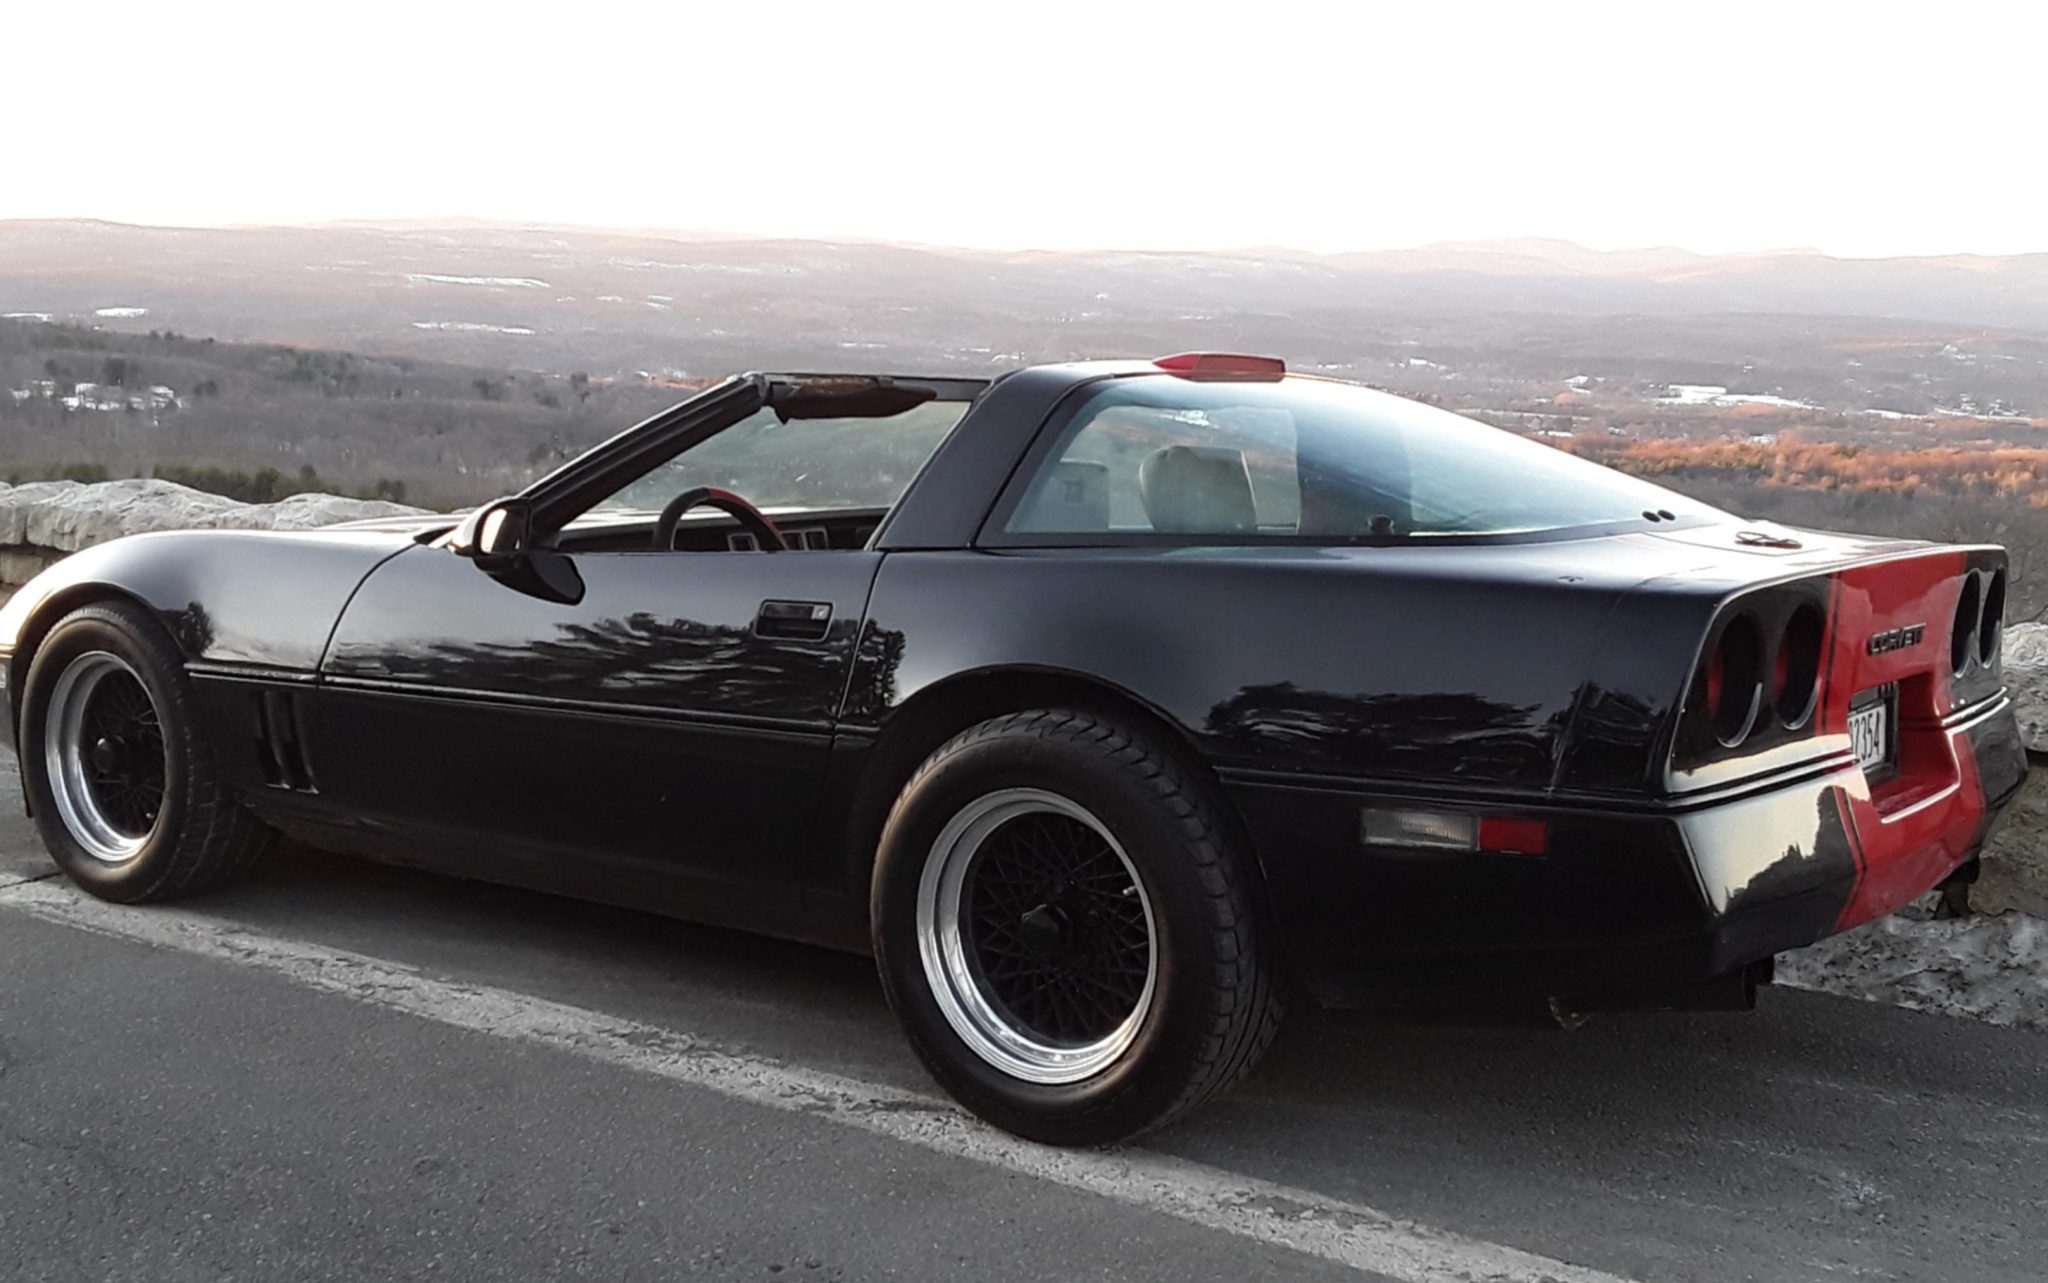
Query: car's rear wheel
column 1066, row 931
column 125, row 792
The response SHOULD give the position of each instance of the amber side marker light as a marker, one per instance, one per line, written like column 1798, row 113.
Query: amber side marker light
column 1453, row 831
column 1258, row 367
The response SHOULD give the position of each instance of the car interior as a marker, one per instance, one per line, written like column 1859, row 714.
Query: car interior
column 709, row 530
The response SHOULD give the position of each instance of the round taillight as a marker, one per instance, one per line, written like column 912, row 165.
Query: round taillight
column 1991, row 625
column 1735, row 681
column 1962, row 637
column 1795, row 673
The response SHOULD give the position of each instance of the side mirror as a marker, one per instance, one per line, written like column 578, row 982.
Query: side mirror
column 498, row 535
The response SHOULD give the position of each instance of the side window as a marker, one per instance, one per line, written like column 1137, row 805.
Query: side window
column 1142, row 468
column 802, row 463
column 1232, row 460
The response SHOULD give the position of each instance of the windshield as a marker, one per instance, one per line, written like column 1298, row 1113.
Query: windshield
column 805, row 463
column 1303, row 457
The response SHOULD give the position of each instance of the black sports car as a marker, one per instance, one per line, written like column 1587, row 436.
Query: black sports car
column 1098, row 701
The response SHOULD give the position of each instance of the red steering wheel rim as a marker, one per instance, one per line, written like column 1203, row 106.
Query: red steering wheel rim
column 752, row 519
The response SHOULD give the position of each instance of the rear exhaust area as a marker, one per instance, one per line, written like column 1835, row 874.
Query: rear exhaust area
column 1733, row 991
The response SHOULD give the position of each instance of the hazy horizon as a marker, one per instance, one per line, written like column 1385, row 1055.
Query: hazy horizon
column 1861, row 132
column 725, row 234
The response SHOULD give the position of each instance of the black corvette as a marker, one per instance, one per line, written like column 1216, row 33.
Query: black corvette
column 1099, row 702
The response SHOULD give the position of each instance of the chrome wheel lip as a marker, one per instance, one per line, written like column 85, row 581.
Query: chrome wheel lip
column 954, row 981
column 64, row 753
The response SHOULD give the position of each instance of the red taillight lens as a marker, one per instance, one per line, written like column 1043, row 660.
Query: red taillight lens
column 1733, row 680
column 1992, row 626
column 1962, row 637
column 1795, row 670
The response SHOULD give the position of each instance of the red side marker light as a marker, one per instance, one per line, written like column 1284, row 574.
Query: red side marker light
column 1258, row 367
column 1512, row 835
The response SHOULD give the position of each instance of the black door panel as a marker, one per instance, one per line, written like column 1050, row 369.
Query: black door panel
column 653, row 719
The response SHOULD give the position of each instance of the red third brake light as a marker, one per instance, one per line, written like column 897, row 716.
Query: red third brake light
column 1259, row 367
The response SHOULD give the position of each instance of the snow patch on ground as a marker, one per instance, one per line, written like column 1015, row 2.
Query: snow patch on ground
column 24, row 316
column 501, row 282
column 473, row 327
column 1715, row 394
column 121, row 313
column 1990, row 968
column 2026, row 677
column 2005, row 416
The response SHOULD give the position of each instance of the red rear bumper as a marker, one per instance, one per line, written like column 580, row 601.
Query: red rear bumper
column 1783, row 868
column 1957, row 747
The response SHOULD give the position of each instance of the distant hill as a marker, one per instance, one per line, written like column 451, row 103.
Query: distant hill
column 444, row 356
column 558, row 298
column 260, row 420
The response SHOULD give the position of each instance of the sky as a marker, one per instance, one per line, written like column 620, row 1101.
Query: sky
column 1862, row 129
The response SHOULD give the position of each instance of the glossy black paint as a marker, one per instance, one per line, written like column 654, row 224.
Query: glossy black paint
column 651, row 720
column 672, row 731
column 2000, row 752
column 258, row 600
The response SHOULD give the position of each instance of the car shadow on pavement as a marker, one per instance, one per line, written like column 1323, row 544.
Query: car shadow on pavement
column 771, row 997
column 1781, row 1108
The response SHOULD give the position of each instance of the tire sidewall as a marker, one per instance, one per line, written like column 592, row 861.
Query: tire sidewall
column 81, row 633
column 1154, row 1071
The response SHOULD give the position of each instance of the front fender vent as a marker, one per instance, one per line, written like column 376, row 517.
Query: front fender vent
column 281, row 742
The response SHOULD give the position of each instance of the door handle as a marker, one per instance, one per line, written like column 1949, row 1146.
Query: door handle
column 794, row 620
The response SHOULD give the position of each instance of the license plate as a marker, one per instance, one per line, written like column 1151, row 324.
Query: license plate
column 1870, row 732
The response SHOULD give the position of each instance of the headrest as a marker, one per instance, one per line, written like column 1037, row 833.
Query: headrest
column 1198, row 489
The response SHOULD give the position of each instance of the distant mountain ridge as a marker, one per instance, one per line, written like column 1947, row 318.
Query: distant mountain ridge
column 473, row 290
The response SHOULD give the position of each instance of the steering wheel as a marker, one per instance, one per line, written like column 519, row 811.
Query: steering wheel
column 751, row 519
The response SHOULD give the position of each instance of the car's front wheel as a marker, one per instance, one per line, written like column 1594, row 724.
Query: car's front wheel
column 124, row 788
column 1066, row 931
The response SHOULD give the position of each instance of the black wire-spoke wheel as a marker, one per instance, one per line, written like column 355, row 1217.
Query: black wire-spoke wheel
column 1036, row 936
column 1069, row 930
column 105, row 748
column 124, row 785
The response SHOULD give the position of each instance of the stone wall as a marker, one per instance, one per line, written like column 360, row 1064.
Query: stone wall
column 45, row 520
column 2015, row 874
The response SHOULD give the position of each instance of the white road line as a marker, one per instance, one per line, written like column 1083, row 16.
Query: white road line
column 1346, row 1233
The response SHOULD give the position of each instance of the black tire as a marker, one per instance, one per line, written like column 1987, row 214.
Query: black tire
column 198, row 836
column 1213, row 1005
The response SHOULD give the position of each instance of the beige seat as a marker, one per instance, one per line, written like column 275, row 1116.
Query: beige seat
column 1198, row 489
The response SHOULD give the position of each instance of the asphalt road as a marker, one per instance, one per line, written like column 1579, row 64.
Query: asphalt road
column 188, row 1094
